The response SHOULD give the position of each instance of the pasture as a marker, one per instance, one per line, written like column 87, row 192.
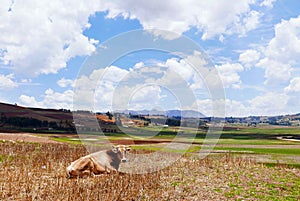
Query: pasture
column 262, row 144
column 36, row 171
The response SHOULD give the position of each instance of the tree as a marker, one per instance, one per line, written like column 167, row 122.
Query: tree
column 3, row 118
column 110, row 116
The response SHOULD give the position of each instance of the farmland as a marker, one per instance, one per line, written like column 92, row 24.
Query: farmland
column 265, row 144
column 36, row 171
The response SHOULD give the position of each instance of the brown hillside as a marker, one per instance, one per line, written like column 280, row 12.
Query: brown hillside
column 37, row 113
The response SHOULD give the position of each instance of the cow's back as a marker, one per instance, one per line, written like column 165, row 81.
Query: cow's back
column 107, row 158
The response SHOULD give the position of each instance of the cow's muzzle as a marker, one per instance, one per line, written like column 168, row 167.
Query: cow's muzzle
column 124, row 160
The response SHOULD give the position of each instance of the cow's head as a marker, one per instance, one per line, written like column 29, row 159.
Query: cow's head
column 123, row 149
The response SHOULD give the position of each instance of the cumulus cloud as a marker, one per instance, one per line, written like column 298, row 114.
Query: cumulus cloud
column 270, row 103
column 178, row 72
column 249, row 22
column 141, row 86
column 50, row 99
column 294, row 85
column 268, row 3
column 221, row 108
column 193, row 71
column 285, row 46
column 95, row 91
column 281, row 54
column 249, row 57
column 65, row 82
column 40, row 37
column 229, row 74
column 137, row 97
column 275, row 71
column 7, row 82
column 119, row 89
column 29, row 101
column 213, row 18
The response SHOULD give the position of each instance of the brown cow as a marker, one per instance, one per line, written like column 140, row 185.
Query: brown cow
column 105, row 161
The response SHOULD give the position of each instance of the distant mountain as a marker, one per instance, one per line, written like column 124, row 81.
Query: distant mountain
column 168, row 113
column 185, row 113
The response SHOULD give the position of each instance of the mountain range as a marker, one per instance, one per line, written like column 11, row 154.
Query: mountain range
column 168, row 113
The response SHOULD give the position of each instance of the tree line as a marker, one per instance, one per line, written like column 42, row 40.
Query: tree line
column 29, row 122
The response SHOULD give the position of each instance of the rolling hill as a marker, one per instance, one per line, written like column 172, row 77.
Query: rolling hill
column 14, row 117
column 9, row 111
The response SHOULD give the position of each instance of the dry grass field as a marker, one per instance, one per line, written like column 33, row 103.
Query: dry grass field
column 36, row 171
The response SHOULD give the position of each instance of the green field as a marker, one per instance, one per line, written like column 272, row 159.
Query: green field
column 261, row 144
column 32, row 171
column 245, row 164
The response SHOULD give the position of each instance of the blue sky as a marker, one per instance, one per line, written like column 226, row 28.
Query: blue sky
column 254, row 45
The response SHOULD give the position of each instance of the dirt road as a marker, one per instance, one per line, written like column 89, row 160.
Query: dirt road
column 26, row 137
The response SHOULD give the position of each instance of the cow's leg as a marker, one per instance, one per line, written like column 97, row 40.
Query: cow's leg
column 81, row 167
column 97, row 169
column 85, row 173
column 109, row 169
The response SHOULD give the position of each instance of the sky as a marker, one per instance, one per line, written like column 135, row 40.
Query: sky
column 251, row 46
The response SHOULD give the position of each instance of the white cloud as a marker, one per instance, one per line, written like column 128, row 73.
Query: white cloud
column 268, row 3
column 177, row 72
column 213, row 18
column 220, row 108
column 96, row 90
column 40, row 37
column 270, row 103
column 7, row 82
column 294, row 85
column 29, row 101
column 275, row 71
column 249, row 57
column 193, row 71
column 139, row 65
column 285, row 46
column 141, row 85
column 229, row 74
column 248, row 23
column 236, row 109
column 181, row 68
column 112, row 74
column 138, row 97
column 50, row 99
column 281, row 55
column 65, row 82
column 26, row 81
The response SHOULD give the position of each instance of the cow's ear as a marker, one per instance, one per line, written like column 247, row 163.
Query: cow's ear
column 115, row 149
